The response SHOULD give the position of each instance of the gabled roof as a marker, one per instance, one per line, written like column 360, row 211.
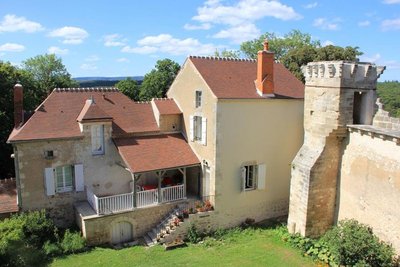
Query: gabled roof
column 92, row 112
column 234, row 78
column 167, row 106
column 155, row 152
column 57, row 116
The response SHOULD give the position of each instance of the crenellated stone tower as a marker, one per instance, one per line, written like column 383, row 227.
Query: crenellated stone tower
column 337, row 94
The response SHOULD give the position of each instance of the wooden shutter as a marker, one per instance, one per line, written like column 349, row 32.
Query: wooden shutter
column 204, row 131
column 49, row 181
column 79, row 182
column 261, row 176
column 243, row 178
column 191, row 128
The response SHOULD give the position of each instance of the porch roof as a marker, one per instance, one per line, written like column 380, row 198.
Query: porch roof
column 155, row 152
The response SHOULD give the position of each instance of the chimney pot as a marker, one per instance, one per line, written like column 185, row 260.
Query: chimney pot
column 18, row 105
column 266, row 45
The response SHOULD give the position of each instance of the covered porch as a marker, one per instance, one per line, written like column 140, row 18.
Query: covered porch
column 163, row 169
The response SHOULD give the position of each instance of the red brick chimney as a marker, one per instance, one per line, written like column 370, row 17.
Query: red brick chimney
column 265, row 71
column 18, row 105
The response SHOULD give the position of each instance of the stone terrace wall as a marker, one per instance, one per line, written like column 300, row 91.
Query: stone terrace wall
column 369, row 187
column 382, row 119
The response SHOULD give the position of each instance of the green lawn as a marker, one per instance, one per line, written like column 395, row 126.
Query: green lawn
column 250, row 247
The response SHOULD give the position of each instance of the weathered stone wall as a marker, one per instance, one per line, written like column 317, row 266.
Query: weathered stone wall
column 101, row 173
column 383, row 120
column 369, row 187
column 332, row 89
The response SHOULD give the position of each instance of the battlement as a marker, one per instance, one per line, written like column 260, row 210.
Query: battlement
column 344, row 74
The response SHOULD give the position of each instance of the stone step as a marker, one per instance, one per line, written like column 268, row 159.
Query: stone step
column 149, row 242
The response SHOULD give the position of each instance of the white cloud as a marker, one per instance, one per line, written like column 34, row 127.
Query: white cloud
column 245, row 11
column 92, row 58
column 325, row 24
column 364, row 23
column 239, row 34
column 311, row 5
column 71, row 35
column 88, row 66
column 328, row 42
column 57, row 50
column 190, row 27
column 122, row 59
column 11, row 47
column 165, row 43
column 12, row 23
column 391, row 2
column 373, row 58
column 391, row 24
column 114, row 40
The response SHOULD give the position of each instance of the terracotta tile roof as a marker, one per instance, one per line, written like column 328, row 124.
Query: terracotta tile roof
column 92, row 112
column 167, row 106
column 57, row 116
column 156, row 152
column 8, row 196
column 234, row 78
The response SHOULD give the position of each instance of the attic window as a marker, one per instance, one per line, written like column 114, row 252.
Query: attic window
column 198, row 98
column 49, row 154
column 97, row 139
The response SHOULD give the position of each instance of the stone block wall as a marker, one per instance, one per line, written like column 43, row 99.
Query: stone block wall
column 383, row 120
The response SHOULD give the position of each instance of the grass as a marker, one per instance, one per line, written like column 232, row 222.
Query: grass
column 249, row 247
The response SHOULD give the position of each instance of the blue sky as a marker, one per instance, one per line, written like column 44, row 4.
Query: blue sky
column 126, row 38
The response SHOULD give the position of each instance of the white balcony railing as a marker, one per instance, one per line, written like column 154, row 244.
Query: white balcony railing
column 124, row 202
column 147, row 198
column 173, row 193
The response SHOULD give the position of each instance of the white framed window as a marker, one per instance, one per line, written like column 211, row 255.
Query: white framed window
column 198, row 129
column 198, row 98
column 63, row 178
column 253, row 177
column 97, row 139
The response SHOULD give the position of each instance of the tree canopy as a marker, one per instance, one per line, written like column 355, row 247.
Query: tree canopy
column 158, row 80
column 47, row 72
column 296, row 49
column 389, row 93
column 130, row 88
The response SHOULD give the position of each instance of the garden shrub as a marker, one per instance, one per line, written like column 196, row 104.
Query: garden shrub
column 193, row 235
column 72, row 242
column 354, row 244
column 51, row 249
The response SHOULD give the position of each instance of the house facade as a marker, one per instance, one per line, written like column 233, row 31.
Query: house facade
column 227, row 134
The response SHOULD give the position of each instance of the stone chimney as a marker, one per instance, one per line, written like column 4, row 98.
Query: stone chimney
column 265, row 71
column 18, row 105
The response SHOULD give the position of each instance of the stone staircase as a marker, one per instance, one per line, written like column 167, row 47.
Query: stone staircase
column 165, row 229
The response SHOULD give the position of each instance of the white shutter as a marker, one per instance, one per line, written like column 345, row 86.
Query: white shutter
column 191, row 128
column 204, row 131
column 49, row 181
column 243, row 178
column 79, row 182
column 261, row 176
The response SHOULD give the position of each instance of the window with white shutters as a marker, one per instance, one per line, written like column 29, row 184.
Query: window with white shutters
column 253, row 177
column 63, row 178
column 97, row 139
column 197, row 128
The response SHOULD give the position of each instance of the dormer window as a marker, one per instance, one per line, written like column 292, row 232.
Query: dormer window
column 198, row 98
column 97, row 139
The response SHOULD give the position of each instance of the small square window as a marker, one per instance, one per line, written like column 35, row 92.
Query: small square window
column 249, row 176
column 49, row 154
column 198, row 98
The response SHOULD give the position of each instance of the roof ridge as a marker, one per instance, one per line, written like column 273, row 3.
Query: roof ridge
column 87, row 89
column 162, row 98
column 223, row 58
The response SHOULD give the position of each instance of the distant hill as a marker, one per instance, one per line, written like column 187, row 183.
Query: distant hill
column 104, row 81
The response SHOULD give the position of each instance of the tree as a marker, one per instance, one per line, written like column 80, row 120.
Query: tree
column 389, row 93
column 296, row 49
column 279, row 45
column 227, row 53
column 47, row 72
column 158, row 80
column 130, row 88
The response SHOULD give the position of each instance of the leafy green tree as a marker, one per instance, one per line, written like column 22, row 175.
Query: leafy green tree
column 47, row 72
column 389, row 93
column 227, row 53
column 158, row 80
column 130, row 88
column 279, row 45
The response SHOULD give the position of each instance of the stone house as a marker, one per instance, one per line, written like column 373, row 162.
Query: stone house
column 227, row 134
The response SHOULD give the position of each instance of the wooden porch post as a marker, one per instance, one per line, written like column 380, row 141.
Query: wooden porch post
column 159, row 175
column 135, row 177
column 183, row 171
